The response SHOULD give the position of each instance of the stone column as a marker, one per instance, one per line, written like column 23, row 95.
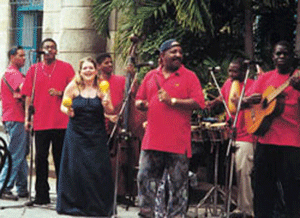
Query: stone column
column 69, row 23
column 119, row 65
column 5, row 25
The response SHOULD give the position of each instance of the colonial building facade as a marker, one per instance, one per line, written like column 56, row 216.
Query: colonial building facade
column 68, row 22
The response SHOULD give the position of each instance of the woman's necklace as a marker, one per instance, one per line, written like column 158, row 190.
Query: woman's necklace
column 48, row 74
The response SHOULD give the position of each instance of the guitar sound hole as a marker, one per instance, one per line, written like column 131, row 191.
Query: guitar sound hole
column 265, row 103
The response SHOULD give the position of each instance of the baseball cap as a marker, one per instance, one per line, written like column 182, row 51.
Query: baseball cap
column 166, row 45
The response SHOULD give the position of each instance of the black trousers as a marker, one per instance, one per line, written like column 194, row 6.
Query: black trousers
column 43, row 139
column 276, row 181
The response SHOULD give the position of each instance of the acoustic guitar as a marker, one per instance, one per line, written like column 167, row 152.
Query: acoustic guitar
column 259, row 117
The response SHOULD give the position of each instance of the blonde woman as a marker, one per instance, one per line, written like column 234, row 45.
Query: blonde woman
column 85, row 187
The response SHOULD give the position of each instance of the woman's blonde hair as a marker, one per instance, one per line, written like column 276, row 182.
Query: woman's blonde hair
column 78, row 78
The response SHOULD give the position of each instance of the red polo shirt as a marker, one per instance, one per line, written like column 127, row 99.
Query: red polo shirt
column 47, row 108
column 284, row 129
column 242, row 134
column 117, row 88
column 169, row 128
column 12, row 109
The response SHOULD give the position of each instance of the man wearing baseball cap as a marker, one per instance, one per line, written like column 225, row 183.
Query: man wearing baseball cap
column 169, row 93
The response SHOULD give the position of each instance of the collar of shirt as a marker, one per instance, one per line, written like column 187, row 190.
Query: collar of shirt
column 176, row 73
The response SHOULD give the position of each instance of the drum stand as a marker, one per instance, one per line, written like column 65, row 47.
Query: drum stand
column 230, row 148
column 214, row 209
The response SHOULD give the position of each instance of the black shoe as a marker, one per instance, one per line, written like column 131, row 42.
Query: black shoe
column 240, row 215
column 23, row 195
column 41, row 201
column 143, row 215
column 8, row 195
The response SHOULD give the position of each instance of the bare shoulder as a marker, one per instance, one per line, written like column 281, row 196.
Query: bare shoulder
column 72, row 89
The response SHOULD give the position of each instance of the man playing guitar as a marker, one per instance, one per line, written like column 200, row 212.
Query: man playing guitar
column 276, row 158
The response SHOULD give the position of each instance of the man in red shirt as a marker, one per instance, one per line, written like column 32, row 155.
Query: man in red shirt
column 47, row 81
column 116, row 82
column 13, row 120
column 169, row 94
column 117, row 93
column 276, row 158
column 243, row 141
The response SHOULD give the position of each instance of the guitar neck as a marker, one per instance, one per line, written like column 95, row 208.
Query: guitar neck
column 8, row 85
column 280, row 89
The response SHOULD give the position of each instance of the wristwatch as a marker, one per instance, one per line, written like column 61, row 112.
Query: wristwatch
column 173, row 101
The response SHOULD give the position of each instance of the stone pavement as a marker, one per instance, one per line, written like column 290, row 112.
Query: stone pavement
column 17, row 209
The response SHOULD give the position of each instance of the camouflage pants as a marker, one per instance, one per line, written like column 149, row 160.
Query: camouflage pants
column 158, row 170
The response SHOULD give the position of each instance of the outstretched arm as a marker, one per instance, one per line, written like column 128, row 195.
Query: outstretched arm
column 66, row 105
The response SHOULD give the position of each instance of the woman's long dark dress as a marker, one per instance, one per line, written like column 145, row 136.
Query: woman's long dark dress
column 85, row 185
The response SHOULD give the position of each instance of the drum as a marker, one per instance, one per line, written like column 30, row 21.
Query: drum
column 198, row 133
column 200, row 148
column 218, row 132
column 218, row 136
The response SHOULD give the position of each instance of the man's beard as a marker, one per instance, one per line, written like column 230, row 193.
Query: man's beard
column 173, row 67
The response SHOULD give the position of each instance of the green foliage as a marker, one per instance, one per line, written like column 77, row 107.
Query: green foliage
column 190, row 11
column 144, row 18
column 211, row 31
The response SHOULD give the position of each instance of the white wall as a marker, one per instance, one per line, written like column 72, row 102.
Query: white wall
column 69, row 23
column 4, row 34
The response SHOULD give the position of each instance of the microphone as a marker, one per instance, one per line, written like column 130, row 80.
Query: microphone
column 252, row 62
column 39, row 51
column 145, row 64
column 215, row 69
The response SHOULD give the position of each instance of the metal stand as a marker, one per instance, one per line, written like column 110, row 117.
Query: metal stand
column 231, row 145
column 230, row 150
column 31, row 133
column 214, row 209
column 124, row 132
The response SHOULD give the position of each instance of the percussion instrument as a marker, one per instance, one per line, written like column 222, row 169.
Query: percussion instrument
column 218, row 132
column 199, row 132
column 234, row 92
column 208, row 132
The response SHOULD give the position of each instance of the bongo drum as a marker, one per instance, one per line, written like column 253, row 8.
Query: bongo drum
column 218, row 132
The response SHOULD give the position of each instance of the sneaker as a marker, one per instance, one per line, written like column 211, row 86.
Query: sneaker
column 41, row 201
column 23, row 195
column 8, row 195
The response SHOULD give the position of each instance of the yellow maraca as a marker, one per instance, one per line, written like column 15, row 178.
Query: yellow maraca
column 104, row 88
column 67, row 102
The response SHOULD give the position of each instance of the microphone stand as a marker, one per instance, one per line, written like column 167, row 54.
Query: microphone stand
column 125, row 102
column 216, row 146
column 231, row 145
column 31, row 111
column 220, row 93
